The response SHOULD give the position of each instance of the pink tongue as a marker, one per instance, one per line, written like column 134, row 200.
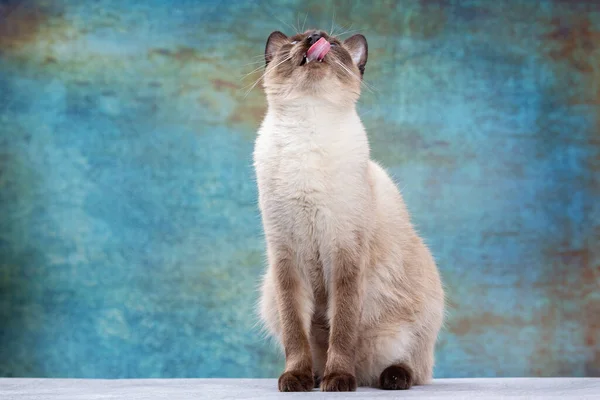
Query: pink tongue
column 318, row 50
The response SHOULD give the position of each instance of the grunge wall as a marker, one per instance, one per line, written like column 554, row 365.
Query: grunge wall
column 130, row 240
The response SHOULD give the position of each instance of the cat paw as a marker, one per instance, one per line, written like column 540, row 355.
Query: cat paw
column 396, row 377
column 296, row 381
column 338, row 382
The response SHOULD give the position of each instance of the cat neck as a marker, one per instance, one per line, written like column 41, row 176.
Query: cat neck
column 314, row 113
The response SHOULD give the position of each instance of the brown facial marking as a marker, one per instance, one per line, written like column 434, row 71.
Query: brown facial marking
column 396, row 377
column 287, row 70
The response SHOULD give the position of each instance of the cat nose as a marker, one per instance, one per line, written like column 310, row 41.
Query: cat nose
column 312, row 39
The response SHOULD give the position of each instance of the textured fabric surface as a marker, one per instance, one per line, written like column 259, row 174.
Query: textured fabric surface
column 130, row 240
column 258, row 389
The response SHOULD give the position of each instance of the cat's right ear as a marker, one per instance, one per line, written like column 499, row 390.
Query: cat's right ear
column 359, row 51
column 274, row 42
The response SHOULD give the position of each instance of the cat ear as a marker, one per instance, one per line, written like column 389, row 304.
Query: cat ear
column 358, row 49
column 274, row 42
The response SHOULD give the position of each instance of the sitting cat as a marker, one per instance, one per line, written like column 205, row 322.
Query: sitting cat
column 351, row 291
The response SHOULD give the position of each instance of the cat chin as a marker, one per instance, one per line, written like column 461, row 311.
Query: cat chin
column 317, row 74
column 320, row 83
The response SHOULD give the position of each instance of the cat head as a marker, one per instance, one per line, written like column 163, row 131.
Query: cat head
column 314, row 64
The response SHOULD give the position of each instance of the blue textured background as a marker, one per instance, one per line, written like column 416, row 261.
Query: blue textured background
column 130, row 240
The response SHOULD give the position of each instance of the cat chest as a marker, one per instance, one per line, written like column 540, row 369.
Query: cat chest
column 298, row 190
column 306, row 186
column 310, row 176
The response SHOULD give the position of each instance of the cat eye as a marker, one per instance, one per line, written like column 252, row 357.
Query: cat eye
column 294, row 42
column 333, row 44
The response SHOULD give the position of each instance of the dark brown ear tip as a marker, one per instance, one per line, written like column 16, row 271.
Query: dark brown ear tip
column 271, row 46
column 277, row 34
column 357, row 37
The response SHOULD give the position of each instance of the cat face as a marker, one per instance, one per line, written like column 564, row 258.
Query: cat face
column 331, row 70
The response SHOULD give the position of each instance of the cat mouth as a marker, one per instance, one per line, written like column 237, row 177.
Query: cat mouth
column 316, row 52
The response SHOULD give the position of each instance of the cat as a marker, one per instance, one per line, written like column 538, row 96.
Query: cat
column 351, row 291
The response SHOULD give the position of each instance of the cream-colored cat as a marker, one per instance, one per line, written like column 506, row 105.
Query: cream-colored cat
column 351, row 291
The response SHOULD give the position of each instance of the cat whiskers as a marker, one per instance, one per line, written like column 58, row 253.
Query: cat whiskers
column 253, row 63
column 261, row 66
column 258, row 58
column 267, row 70
column 285, row 23
column 260, row 63
column 332, row 23
column 348, row 31
column 352, row 74
column 342, row 28
column 303, row 23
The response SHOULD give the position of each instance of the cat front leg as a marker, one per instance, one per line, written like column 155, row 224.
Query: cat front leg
column 319, row 341
column 294, row 304
column 345, row 305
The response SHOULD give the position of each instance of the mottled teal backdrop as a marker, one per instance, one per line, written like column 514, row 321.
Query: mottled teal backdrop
column 130, row 239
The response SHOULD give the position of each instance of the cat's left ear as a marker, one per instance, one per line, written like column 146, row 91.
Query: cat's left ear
column 274, row 42
column 358, row 49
